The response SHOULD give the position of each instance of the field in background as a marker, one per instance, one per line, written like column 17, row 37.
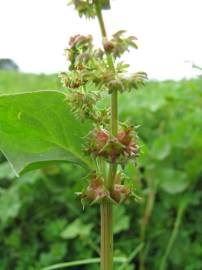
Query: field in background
column 42, row 221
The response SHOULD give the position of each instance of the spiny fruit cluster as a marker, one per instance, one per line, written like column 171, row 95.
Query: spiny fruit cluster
column 94, row 73
column 118, row 44
column 89, row 64
column 90, row 77
column 97, row 191
column 115, row 149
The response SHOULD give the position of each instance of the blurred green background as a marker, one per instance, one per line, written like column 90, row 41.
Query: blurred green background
column 42, row 221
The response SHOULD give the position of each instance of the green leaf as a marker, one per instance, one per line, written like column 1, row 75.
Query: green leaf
column 172, row 181
column 76, row 228
column 12, row 198
column 10, row 204
column 38, row 127
column 121, row 220
column 161, row 148
column 57, row 251
column 6, row 171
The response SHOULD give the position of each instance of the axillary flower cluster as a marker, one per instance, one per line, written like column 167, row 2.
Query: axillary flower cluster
column 93, row 75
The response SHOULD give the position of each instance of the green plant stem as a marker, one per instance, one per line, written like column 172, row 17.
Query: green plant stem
column 100, row 18
column 106, row 207
column 173, row 236
column 114, row 125
column 106, row 236
column 114, row 130
column 114, row 114
column 111, row 176
column 144, row 222
column 114, row 95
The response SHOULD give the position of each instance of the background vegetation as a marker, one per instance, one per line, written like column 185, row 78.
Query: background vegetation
column 42, row 222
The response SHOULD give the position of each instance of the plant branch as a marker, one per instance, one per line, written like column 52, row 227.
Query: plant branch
column 100, row 19
column 81, row 262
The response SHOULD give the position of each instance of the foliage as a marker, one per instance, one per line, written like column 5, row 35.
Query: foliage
column 38, row 210
column 17, row 82
column 32, row 131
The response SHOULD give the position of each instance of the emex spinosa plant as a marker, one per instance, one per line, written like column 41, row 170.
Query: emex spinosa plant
column 41, row 127
column 93, row 73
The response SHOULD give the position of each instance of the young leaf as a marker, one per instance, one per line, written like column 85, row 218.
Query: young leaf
column 38, row 127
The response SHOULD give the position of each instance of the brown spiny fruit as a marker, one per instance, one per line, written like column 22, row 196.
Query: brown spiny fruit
column 95, row 191
column 120, row 193
column 98, row 138
column 127, row 138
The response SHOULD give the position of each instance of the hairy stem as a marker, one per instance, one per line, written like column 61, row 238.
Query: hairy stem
column 173, row 236
column 106, row 207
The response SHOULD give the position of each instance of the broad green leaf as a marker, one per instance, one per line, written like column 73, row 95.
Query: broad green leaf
column 38, row 127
